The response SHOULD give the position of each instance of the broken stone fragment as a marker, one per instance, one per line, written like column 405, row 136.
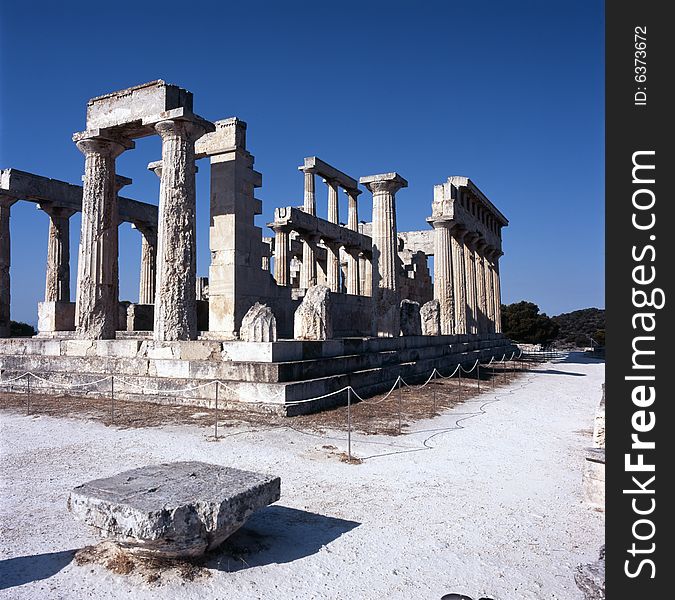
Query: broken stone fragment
column 259, row 324
column 172, row 510
column 312, row 317
column 430, row 314
column 411, row 323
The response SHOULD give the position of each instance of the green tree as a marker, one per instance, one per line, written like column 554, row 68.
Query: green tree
column 18, row 329
column 522, row 322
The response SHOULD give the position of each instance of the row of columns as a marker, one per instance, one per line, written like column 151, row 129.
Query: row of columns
column 466, row 281
column 309, row 269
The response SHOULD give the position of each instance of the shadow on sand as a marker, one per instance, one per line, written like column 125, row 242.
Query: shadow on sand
column 277, row 534
column 581, row 358
column 26, row 569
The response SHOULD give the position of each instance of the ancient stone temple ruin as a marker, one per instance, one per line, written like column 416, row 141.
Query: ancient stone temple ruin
column 286, row 317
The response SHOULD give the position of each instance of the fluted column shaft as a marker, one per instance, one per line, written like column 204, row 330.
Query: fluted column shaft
column 490, row 292
column 147, row 287
column 175, row 293
column 57, row 280
column 353, row 267
column 333, row 254
column 308, row 268
column 96, row 304
column 443, row 272
column 459, row 282
column 5, row 261
column 497, row 294
column 470, row 278
column 366, row 272
column 282, row 267
column 481, row 299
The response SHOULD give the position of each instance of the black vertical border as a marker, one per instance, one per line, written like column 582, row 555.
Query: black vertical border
column 631, row 128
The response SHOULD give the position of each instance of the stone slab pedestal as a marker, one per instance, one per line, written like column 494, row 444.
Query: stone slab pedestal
column 174, row 509
column 140, row 317
column 56, row 316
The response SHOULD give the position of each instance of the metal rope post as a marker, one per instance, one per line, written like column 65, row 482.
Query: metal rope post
column 433, row 383
column 215, row 424
column 349, row 424
column 399, row 404
column 478, row 375
column 28, row 393
column 112, row 399
column 459, row 375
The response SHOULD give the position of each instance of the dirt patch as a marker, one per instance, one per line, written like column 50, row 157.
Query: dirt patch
column 387, row 414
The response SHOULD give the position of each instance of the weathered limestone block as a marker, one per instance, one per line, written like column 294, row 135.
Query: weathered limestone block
column 411, row 323
column 173, row 509
column 56, row 316
column 594, row 478
column 590, row 578
column 599, row 423
column 312, row 317
column 430, row 315
column 259, row 324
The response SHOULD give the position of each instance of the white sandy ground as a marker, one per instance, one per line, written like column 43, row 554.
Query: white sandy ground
column 493, row 509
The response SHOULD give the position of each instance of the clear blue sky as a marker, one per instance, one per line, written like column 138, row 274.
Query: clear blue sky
column 509, row 93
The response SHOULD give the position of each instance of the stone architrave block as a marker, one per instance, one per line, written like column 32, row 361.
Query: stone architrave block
column 430, row 315
column 312, row 317
column 411, row 322
column 174, row 509
column 259, row 324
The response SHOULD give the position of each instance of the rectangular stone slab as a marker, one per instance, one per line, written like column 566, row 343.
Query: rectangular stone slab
column 173, row 509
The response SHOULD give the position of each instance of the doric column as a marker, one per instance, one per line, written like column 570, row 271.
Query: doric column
column 96, row 301
column 481, row 298
column 333, row 254
column 282, row 266
column 366, row 273
column 443, row 275
column 353, row 277
column 489, row 291
column 459, row 281
column 57, row 281
column 308, row 276
column 470, row 278
column 148, row 278
column 333, row 266
column 5, row 260
column 386, row 300
column 497, row 292
column 308, row 268
column 310, row 195
column 175, row 294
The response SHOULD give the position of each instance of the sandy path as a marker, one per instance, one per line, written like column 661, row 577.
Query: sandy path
column 493, row 509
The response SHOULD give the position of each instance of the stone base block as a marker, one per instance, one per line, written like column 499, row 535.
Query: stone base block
column 174, row 509
column 590, row 578
column 56, row 316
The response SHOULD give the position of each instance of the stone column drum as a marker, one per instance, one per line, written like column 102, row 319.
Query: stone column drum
column 386, row 301
column 443, row 283
column 175, row 295
column 489, row 291
column 5, row 260
column 459, row 281
column 57, row 280
column 96, row 304
column 497, row 293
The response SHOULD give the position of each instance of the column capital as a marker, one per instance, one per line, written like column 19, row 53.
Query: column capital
column 191, row 130
column 353, row 193
column 56, row 211
column 89, row 142
column 384, row 182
